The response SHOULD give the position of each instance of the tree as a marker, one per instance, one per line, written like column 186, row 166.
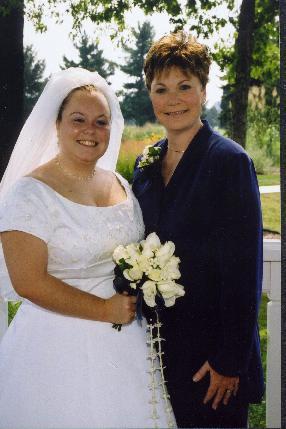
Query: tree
column 11, row 76
column 261, row 69
column 91, row 58
column 34, row 80
column 12, row 54
column 212, row 115
column 136, row 105
column 207, row 22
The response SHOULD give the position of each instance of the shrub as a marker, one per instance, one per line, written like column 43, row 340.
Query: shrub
column 263, row 133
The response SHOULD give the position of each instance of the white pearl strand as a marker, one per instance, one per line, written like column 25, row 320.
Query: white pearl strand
column 153, row 384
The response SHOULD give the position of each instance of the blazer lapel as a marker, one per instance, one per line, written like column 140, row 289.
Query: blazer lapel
column 186, row 170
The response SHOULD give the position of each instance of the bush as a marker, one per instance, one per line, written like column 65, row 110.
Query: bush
column 149, row 133
column 263, row 139
column 133, row 142
column 263, row 163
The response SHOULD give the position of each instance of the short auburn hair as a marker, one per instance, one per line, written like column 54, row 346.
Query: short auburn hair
column 181, row 50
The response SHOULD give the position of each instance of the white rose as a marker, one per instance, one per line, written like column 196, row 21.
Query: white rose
column 171, row 269
column 170, row 291
column 120, row 253
column 143, row 263
column 147, row 251
column 164, row 253
column 133, row 273
column 149, row 293
column 155, row 275
column 133, row 253
column 153, row 241
column 133, row 285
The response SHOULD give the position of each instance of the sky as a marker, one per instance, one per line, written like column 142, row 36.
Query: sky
column 56, row 42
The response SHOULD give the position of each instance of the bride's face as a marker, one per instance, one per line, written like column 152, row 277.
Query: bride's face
column 84, row 127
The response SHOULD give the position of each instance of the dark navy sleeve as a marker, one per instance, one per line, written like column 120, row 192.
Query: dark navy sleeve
column 238, row 252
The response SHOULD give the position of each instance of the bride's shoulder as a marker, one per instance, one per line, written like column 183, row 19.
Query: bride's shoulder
column 46, row 174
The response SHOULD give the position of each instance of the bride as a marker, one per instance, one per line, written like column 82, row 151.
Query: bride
column 63, row 211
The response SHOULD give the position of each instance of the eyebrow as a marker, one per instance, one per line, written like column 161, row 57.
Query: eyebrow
column 80, row 113
column 181, row 81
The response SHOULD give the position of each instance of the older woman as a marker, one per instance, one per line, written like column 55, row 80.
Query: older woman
column 202, row 194
column 63, row 211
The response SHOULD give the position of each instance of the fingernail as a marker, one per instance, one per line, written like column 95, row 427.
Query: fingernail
column 214, row 407
column 195, row 379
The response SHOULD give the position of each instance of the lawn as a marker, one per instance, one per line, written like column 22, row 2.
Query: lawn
column 271, row 212
column 268, row 179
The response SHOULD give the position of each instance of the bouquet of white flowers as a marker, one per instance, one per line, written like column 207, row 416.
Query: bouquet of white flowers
column 149, row 268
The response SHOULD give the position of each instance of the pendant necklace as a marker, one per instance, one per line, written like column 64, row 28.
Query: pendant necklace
column 87, row 178
column 175, row 150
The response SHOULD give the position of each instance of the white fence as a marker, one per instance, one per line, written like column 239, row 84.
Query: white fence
column 271, row 286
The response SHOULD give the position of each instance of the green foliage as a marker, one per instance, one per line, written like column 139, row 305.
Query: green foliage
column 263, row 136
column 136, row 105
column 34, row 80
column 98, row 11
column 150, row 132
column 125, row 166
column 212, row 115
column 207, row 21
column 7, row 6
column 12, row 310
column 90, row 58
column 263, row 164
column 265, row 60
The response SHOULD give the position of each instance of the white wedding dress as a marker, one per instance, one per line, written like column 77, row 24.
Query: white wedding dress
column 63, row 372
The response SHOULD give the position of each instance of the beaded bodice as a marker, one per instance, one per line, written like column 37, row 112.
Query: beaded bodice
column 80, row 238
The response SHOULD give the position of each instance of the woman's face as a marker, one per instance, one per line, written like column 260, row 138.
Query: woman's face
column 84, row 129
column 177, row 99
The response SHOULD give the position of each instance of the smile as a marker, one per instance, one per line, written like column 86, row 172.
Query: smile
column 178, row 113
column 90, row 143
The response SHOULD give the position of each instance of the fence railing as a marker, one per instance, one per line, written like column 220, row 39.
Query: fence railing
column 271, row 286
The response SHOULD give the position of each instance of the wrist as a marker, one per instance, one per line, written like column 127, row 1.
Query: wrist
column 104, row 311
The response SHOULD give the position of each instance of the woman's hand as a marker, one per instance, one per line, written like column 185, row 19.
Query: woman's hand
column 221, row 387
column 120, row 309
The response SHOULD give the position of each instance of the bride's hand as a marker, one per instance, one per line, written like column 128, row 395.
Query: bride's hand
column 120, row 308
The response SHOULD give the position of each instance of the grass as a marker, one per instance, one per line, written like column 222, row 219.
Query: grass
column 268, row 179
column 257, row 412
column 271, row 212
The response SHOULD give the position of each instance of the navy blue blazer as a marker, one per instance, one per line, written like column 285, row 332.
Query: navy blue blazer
column 211, row 210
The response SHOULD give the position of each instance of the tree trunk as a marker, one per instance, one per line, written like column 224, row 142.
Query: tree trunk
column 11, row 78
column 243, row 48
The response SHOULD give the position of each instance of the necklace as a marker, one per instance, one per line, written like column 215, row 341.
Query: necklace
column 175, row 150
column 75, row 176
